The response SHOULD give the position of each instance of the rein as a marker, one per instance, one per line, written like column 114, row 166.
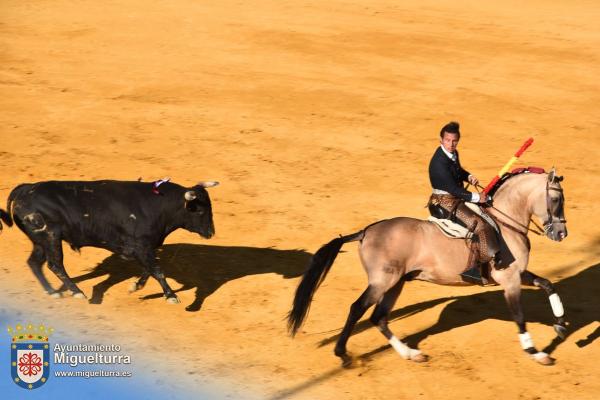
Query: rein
column 540, row 231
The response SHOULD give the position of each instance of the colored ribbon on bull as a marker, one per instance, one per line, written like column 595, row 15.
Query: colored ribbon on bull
column 157, row 183
column 507, row 166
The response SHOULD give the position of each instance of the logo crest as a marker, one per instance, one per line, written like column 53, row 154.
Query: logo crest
column 30, row 355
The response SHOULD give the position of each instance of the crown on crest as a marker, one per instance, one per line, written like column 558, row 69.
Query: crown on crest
column 30, row 332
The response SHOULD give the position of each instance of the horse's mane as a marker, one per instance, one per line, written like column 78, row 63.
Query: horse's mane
column 514, row 172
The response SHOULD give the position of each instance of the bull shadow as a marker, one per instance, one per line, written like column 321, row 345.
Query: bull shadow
column 579, row 294
column 200, row 267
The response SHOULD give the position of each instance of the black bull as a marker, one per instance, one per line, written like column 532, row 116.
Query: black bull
column 131, row 219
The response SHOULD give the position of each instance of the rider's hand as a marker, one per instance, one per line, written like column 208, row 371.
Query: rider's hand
column 473, row 180
column 484, row 198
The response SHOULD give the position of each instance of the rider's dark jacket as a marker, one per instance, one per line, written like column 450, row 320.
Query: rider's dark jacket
column 448, row 175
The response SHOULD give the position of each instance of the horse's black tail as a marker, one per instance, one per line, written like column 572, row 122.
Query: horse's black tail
column 314, row 275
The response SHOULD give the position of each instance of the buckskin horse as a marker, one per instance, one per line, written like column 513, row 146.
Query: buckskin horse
column 401, row 249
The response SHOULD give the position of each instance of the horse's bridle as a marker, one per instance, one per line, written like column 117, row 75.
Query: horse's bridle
column 559, row 207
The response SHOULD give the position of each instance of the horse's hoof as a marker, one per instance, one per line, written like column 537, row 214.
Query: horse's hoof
column 173, row 300
column 561, row 330
column 347, row 360
column 133, row 287
column 546, row 361
column 543, row 358
column 55, row 295
column 79, row 295
column 419, row 358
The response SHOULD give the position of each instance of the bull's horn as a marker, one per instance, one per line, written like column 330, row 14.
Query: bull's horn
column 190, row 195
column 208, row 184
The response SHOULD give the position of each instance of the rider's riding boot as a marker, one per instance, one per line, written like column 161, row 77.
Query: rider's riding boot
column 473, row 275
column 499, row 262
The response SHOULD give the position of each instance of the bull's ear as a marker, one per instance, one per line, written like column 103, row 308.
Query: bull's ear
column 208, row 184
column 189, row 195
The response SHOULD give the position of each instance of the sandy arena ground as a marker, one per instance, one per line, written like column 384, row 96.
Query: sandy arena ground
column 318, row 118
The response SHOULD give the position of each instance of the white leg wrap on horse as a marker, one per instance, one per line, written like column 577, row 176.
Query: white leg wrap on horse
column 526, row 341
column 405, row 352
column 557, row 307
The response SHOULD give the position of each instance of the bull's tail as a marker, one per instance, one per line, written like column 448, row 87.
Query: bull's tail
column 314, row 275
column 7, row 216
column 4, row 216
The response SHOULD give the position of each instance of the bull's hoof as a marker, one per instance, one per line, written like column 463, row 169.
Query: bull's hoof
column 419, row 358
column 173, row 300
column 347, row 360
column 134, row 287
column 561, row 330
column 543, row 358
column 55, row 295
column 79, row 295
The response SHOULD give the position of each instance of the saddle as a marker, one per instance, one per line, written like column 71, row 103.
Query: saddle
column 455, row 230
column 450, row 216
column 446, row 215
column 451, row 229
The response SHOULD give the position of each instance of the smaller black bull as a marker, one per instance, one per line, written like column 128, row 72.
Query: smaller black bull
column 131, row 219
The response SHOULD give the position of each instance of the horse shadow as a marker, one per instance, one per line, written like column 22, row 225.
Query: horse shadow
column 579, row 294
column 200, row 267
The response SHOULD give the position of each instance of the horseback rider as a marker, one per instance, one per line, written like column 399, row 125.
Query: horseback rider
column 448, row 202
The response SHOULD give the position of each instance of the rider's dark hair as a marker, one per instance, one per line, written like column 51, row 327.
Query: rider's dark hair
column 451, row 127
